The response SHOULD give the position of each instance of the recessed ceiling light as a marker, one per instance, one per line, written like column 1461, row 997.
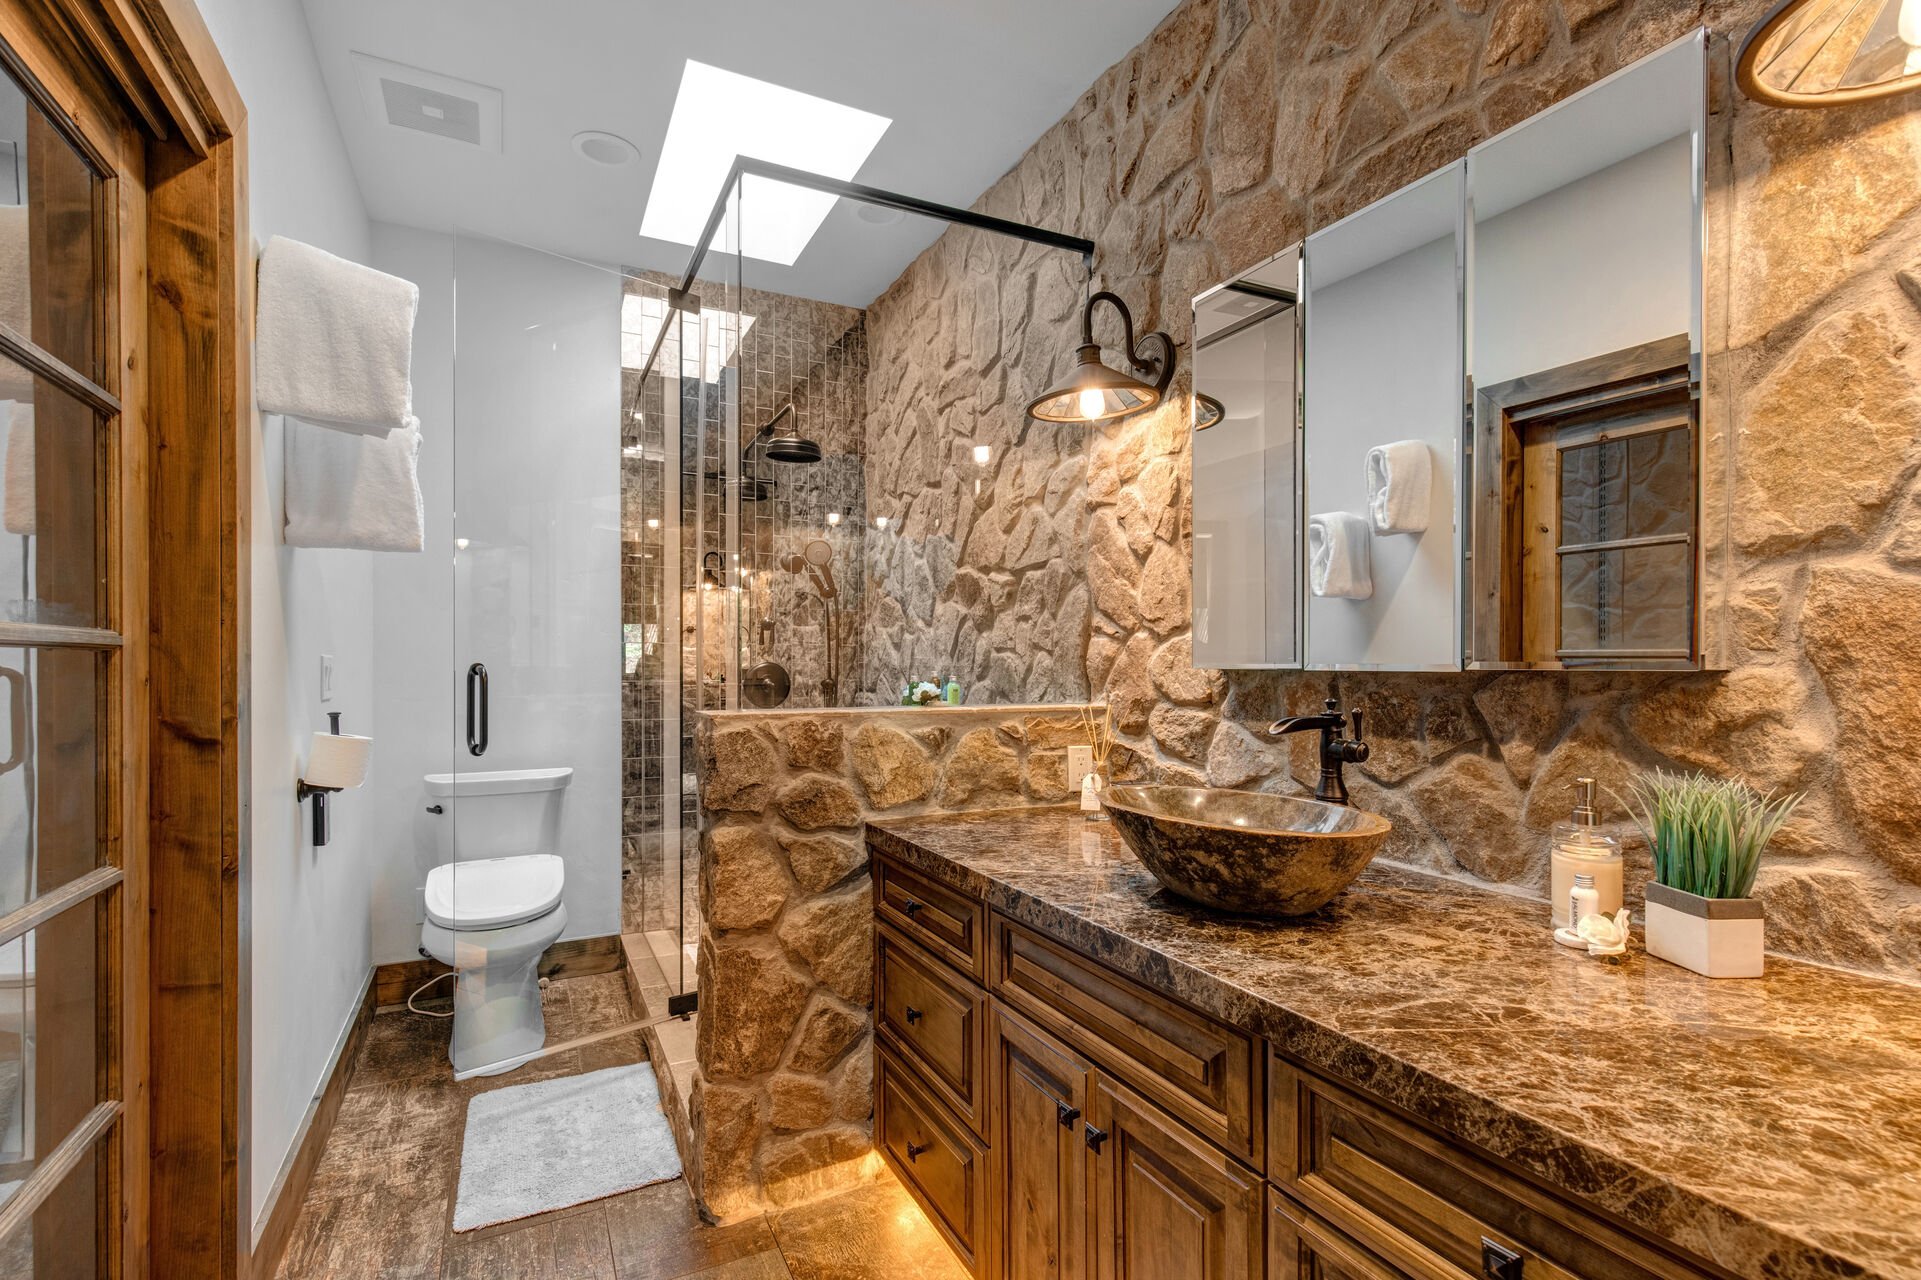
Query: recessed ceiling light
column 609, row 149
column 719, row 115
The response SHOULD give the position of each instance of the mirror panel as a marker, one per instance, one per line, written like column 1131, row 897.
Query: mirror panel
column 1585, row 296
column 1246, row 469
column 1384, row 368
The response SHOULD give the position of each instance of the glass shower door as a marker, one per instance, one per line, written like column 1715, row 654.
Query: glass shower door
column 547, row 758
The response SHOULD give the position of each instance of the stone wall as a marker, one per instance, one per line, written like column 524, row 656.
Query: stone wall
column 1239, row 126
column 781, row 1103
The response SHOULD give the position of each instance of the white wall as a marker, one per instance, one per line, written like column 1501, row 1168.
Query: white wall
column 310, row 941
column 518, row 393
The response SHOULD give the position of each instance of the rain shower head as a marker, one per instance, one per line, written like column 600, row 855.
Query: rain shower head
column 786, row 447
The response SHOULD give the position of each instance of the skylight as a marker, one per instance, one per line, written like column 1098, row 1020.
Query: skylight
column 719, row 115
column 641, row 317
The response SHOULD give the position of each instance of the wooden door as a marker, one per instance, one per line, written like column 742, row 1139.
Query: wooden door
column 1040, row 1090
column 1165, row 1202
column 73, row 684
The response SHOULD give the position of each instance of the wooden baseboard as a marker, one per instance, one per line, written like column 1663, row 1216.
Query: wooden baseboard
column 574, row 958
column 290, row 1189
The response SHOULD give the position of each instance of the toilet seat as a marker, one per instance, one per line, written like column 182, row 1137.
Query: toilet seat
column 494, row 893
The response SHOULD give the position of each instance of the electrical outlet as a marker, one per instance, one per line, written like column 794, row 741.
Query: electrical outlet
column 1080, row 763
column 326, row 677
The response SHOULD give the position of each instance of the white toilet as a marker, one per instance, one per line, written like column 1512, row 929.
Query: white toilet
column 493, row 905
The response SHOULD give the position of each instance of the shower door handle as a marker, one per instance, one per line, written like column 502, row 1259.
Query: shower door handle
column 477, row 709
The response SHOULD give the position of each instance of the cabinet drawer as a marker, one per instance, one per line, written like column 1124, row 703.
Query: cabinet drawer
column 1425, row 1205
column 949, row 924
column 1301, row 1248
column 944, row 1168
column 937, row 1020
column 1206, row 1074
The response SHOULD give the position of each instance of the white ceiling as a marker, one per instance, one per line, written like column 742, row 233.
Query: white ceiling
column 969, row 85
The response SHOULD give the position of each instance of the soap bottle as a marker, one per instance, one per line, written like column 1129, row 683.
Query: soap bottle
column 1580, row 848
column 952, row 692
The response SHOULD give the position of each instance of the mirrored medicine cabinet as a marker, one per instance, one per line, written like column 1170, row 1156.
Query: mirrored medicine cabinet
column 1474, row 424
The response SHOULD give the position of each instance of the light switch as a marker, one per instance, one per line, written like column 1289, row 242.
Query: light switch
column 326, row 677
column 1080, row 763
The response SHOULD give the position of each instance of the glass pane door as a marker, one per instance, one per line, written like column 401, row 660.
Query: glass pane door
column 61, row 659
column 547, row 667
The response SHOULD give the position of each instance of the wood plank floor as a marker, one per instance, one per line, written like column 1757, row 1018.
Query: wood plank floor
column 381, row 1201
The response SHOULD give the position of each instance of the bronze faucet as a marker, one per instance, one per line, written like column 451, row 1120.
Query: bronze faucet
column 1335, row 750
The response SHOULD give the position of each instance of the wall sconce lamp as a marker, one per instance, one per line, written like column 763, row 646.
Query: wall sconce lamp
column 712, row 565
column 1821, row 53
column 1096, row 393
column 335, row 762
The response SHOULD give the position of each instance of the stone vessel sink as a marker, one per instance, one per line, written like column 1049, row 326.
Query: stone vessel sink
column 1245, row 852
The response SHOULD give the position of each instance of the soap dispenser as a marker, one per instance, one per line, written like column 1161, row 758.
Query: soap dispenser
column 1579, row 849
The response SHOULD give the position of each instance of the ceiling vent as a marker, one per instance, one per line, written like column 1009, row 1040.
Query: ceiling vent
column 409, row 98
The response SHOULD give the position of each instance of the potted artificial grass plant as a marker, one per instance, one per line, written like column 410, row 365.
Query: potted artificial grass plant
column 1706, row 836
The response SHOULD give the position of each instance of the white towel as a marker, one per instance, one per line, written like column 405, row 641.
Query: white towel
column 1337, row 556
column 334, row 342
column 360, row 492
column 1398, row 479
column 16, row 298
column 19, row 504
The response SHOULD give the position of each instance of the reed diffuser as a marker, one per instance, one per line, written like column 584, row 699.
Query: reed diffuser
column 1099, row 728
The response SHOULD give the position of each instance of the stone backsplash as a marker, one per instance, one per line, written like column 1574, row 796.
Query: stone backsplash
column 1239, row 126
column 781, row 1102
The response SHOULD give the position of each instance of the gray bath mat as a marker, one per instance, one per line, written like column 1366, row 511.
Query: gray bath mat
column 534, row 1147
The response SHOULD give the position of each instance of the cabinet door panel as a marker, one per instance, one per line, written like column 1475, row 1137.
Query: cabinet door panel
column 1166, row 1203
column 1299, row 1247
column 1040, row 1087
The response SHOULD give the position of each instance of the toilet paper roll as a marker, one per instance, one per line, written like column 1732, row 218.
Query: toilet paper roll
column 337, row 760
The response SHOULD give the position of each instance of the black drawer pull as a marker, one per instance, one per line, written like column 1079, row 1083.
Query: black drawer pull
column 913, row 1015
column 916, row 1150
column 1094, row 1137
column 910, row 906
column 1498, row 1262
column 1068, row 1115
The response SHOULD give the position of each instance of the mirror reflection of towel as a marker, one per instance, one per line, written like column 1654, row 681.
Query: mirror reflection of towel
column 1338, row 564
column 17, row 506
column 1398, row 480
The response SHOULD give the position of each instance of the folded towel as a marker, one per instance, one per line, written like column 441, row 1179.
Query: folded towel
column 1337, row 556
column 16, row 299
column 361, row 492
column 334, row 340
column 19, row 504
column 1398, row 476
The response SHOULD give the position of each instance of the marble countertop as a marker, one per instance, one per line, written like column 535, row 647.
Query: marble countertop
column 1770, row 1125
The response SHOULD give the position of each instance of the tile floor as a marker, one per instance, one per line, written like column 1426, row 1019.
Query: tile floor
column 382, row 1196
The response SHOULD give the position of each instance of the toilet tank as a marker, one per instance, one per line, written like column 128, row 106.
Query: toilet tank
column 498, row 814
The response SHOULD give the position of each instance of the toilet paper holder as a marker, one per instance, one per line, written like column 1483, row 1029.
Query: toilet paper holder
column 335, row 762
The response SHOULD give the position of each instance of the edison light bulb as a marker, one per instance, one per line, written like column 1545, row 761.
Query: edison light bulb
column 1908, row 25
column 1093, row 403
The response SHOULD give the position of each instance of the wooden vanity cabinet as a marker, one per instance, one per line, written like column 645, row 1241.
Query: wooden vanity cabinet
column 1060, row 1121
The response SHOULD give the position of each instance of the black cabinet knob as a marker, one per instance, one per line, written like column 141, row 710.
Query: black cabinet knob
column 1094, row 1137
column 910, row 906
column 915, row 1150
column 1067, row 1115
column 913, row 1015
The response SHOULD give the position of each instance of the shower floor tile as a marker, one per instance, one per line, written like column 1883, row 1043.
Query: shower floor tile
column 381, row 1201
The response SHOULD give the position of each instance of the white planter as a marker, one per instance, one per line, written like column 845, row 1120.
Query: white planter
column 1718, row 937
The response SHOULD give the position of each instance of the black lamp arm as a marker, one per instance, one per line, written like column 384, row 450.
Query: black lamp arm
column 1162, row 366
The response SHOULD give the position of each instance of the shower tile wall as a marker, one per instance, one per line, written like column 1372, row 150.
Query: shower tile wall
column 812, row 355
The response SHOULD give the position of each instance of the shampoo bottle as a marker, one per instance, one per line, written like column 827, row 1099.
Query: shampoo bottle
column 1580, row 848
